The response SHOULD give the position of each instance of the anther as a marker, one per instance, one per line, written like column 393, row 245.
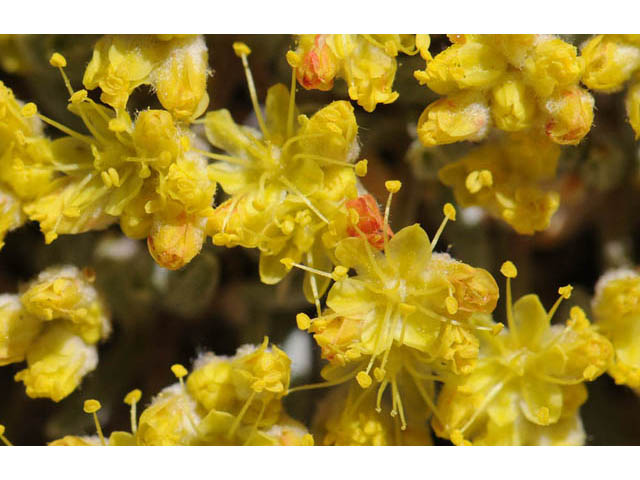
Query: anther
column 3, row 438
column 363, row 379
column 565, row 291
column 393, row 186
column 361, row 168
column 339, row 273
column 29, row 110
column 92, row 407
column 509, row 270
column 303, row 321
column 241, row 48
column 78, row 97
column 57, row 60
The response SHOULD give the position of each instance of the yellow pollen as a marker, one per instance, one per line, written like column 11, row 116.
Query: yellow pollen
column 133, row 396
column 29, row 110
column 565, row 291
column 241, row 48
column 287, row 262
column 509, row 270
column 497, row 328
column 590, row 373
column 363, row 379
column 303, row 321
column 452, row 305
column 79, row 96
column 179, row 371
column 393, row 186
column 57, row 61
column 339, row 273
column 449, row 211
column 361, row 168
column 543, row 415
column 92, row 406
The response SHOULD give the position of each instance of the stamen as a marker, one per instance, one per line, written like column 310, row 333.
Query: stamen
column 65, row 129
column 292, row 103
column 91, row 407
column 242, row 51
column 180, row 372
column 238, row 419
column 4, row 439
column 257, row 422
column 314, row 286
column 132, row 399
column 313, row 386
column 289, row 263
column 224, row 158
column 398, row 401
column 509, row 270
column 392, row 186
column 294, row 189
column 565, row 294
column 449, row 214
column 381, row 390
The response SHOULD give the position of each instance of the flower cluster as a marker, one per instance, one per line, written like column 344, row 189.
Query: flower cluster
column 366, row 62
column 513, row 82
column 224, row 401
column 54, row 324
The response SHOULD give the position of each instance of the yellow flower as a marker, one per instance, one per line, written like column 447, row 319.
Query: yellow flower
column 143, row 173
column 366, row 62
column 459, row 117
column 513, row 106
column 287, row 183
column 175, row 67
column 66, row 294
column 57, row 361
column 616, row 308
column 569, row 115
column 609, row 62
column 505, row 176
column 528, row 383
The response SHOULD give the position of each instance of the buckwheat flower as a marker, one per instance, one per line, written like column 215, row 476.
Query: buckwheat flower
column 569, row 115
column 528, row 384
column 57, row 361
column 616, row 308
column 143, row 173
column 176, row 68
column 66, row 294
column 287, row 183
column 507, row 176
column 366, row 62
column 171, row 419
column 513, row 106
column 465, row 116
column 348, row 416
column 610, row 61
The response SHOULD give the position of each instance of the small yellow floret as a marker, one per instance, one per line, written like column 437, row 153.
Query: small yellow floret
column 57, row 60
column 29, row 110
column 361, row 167
column 393, row 186
column 449, row 211
column 509, row 270
column 133, row 396
column 363, row 379
column 303, row 321
column 92, row 406
column 565, row 291
column 241, row 48
column 179, row 371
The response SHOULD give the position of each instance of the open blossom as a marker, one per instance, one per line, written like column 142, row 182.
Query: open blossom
column 287, row 183
column 142, row 173
column 366, row 62
column 528, row 385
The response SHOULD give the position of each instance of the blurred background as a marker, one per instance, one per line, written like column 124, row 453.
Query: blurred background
column 217, row 303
